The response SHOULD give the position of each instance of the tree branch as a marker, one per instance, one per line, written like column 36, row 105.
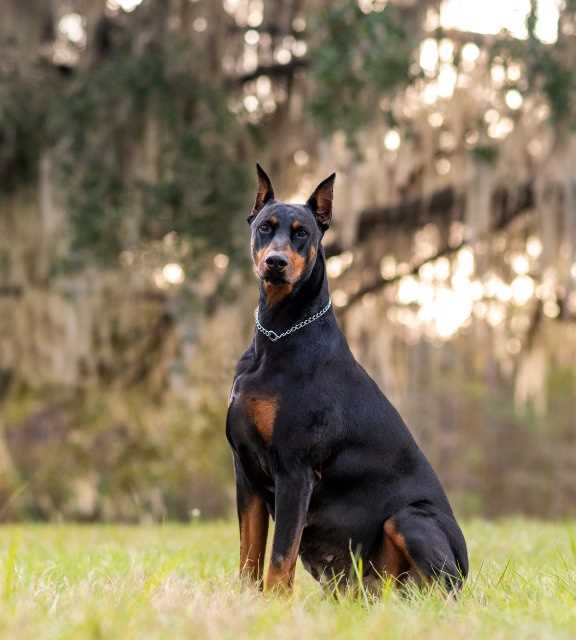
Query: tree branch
column 445, row 205
column 273, row 70
column 506, row 206
column 382, row 283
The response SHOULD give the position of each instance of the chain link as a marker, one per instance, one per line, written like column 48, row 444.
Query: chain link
column 272, row 335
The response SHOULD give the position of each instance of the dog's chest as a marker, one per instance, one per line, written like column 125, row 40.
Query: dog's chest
column 254, row 408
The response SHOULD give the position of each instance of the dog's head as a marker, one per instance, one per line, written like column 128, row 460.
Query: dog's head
column 286, row 237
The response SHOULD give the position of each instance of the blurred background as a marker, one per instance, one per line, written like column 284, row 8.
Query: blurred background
column 129, row 130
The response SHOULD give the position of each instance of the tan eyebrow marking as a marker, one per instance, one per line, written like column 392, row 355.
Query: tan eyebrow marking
column 296, row 225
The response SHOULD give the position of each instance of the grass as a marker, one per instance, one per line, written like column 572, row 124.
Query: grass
column 175, row 581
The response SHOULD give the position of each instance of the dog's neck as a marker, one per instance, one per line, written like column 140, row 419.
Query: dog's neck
column 306, row 299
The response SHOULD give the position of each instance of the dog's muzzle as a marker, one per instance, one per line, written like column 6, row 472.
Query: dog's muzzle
column 276, row 265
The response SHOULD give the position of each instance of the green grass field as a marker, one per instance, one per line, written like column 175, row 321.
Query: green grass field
column 177, row 581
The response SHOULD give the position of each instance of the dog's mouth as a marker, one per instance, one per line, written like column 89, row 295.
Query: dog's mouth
column 275, row 278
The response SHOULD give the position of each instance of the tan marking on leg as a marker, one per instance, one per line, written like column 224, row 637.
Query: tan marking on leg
column 397, row 538
column 253, row 534
column 262, row 411
column 395, row 562
column 389, row 560
column 281, row 570
column 399, row 544
column 280, row 576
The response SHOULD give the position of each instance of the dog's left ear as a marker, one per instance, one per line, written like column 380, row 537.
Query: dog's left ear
column 321, row 202
column 264, row 194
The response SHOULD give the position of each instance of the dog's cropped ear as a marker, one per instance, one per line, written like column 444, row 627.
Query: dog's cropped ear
column 321, row 202
column 264, row 194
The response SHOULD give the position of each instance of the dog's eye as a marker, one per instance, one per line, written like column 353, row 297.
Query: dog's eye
column 265, row 228
column 301, row 233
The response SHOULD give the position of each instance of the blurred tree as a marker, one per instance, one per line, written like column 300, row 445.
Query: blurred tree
column 128, row 129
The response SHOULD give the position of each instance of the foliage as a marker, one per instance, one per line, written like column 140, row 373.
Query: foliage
column 362, row 58
column 196, row 185
column 152, row 143
column 22, row 125
column 180, row 581
column 491, row 439
column 164, row 461
column 359, row 58
column 119, row 192
column 549, row 71
column 485, row 153
column 151, row 469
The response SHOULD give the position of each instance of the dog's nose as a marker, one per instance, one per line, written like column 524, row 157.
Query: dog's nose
column 277, row 262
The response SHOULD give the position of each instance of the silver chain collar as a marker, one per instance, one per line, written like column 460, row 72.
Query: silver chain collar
column 272, row 335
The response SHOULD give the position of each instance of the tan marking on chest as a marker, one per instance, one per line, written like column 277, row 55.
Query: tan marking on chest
column 276, row 292
column 262, row 412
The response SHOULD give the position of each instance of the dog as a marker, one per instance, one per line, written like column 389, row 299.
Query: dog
column 316, row 444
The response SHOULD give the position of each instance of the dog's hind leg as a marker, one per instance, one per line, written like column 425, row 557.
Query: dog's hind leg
column 425, row 545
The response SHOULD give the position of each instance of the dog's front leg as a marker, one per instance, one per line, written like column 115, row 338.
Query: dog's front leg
column 293, row 491
column 253, row 521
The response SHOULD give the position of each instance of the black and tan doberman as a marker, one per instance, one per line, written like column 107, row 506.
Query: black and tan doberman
column 316, row 444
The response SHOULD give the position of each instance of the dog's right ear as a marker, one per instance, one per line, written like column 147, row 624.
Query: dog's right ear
column 264, row 194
